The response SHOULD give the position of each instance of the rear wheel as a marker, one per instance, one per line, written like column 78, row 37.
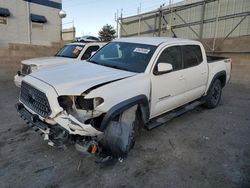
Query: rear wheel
column 214, row 95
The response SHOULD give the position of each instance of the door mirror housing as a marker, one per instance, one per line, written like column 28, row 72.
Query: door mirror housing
column 92, row 53
column 163, row 68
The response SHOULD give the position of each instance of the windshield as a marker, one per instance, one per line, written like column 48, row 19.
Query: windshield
column 125, row 56
column 70, row 51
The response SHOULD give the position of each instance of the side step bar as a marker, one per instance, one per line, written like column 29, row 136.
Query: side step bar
column 170, row 115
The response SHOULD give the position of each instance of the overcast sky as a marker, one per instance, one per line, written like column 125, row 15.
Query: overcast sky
column 90, row 15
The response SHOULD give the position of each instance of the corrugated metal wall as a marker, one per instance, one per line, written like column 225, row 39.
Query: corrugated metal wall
column 188, row 20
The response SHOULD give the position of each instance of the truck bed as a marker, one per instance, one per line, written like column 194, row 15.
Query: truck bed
column 218, row 64
column 212, row 59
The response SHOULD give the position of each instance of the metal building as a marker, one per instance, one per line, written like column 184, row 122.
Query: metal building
column 223, row 26
column 194, row 19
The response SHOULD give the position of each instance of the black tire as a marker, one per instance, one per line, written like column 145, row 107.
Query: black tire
column 119, row 138
column 213, row 97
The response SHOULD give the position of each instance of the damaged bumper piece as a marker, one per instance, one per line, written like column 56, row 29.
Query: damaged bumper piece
column 113, row 143
column 57, row 135
column 54, row 134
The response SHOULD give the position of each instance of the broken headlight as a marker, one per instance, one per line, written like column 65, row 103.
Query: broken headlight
column 65, row 102
column 79, row 102
column 88, row 104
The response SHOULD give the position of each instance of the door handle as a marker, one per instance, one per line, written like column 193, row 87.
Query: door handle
column 181, row 78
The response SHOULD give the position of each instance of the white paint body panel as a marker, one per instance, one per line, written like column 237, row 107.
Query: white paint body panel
column 138, row 84
column 75, row 78
column 216, row 67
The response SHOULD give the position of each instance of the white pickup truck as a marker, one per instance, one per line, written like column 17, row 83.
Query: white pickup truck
column 71, row 52
column 130, row 82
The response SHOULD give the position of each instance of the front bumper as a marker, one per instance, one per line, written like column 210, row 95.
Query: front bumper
column 18, row 80
column 34, row 122
column 66, row 122
column 56, row 135
column 75, row 127
column 30, row 119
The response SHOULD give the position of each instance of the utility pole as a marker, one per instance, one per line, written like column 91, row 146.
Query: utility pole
column 171, row 16
column 28, row 20
column 159, row 24
column 139, row 24
column 119, row 30
column 117, row 23
column 202, row 20
column 216, row 26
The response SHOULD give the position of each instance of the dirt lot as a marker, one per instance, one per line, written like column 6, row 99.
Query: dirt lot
column 202, row 148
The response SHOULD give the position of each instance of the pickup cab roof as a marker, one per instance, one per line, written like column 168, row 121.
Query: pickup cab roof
column 87, row 43
column 155, row 41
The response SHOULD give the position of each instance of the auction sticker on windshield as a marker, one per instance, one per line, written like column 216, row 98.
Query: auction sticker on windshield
column 77, row 50
column 142, row 50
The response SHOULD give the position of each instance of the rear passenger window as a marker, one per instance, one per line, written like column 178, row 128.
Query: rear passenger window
column 192, row 55
column 171, row 55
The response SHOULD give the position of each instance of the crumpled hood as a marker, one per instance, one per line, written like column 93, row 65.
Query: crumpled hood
column 43, row 61
column 75, row 78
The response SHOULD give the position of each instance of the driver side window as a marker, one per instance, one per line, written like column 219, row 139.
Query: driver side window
column 173, row 56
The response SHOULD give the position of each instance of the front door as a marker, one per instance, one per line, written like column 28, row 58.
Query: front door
column 168, row 89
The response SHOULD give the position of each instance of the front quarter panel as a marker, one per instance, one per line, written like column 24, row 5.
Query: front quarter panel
column 119, row 91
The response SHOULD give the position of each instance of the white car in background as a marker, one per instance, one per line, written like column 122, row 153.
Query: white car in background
column 70, row 53
column 87, row 38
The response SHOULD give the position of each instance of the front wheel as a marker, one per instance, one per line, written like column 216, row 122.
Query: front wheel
column 213, row 97
column 119, row 137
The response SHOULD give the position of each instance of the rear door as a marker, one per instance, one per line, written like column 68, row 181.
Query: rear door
column 195, row 72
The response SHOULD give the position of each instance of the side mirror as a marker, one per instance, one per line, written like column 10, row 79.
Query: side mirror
column 92, row 53
column 164, row 68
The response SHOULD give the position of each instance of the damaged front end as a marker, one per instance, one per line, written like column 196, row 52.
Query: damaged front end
column 62, row 119
column 78, row 120
column 80, row 116
column 57, row 136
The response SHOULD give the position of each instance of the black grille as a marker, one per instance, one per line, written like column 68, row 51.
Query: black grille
column 25, row 69
column 35, row 100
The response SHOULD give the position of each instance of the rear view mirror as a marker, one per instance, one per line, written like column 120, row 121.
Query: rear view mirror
column 164, row 68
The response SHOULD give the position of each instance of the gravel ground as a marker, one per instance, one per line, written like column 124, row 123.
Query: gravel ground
column 202, row 148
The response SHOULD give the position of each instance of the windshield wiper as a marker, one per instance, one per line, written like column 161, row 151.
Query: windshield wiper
column 93, row 62
column 61, row 56
column 64, row 56
column 111, row 66
column 116, row 67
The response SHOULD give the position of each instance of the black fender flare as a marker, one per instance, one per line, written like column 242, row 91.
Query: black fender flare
column 216, row 76
column 141, row 100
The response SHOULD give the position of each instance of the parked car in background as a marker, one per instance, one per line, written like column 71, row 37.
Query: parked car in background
column 71, row 52
column 87, row 38
column 130, row 82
